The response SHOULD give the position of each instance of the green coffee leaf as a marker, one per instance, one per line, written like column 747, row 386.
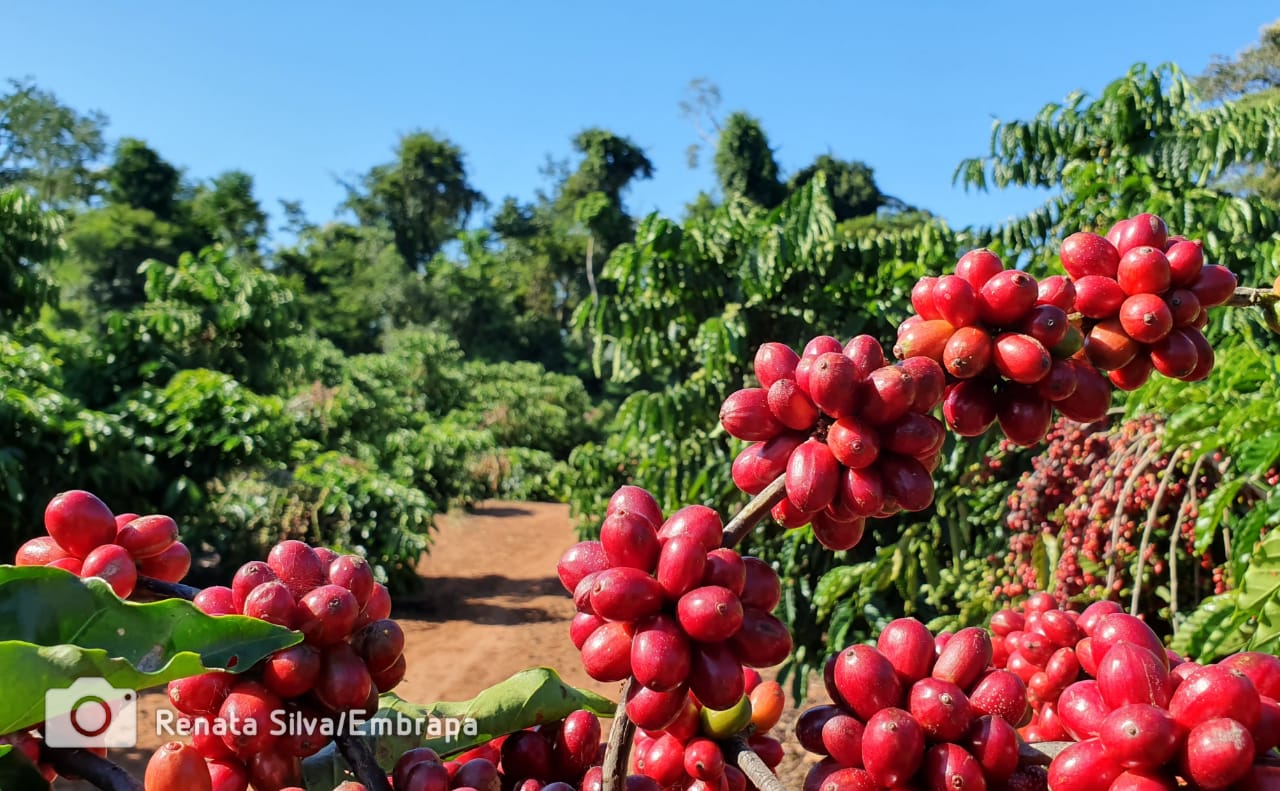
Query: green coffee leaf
column 56, row 628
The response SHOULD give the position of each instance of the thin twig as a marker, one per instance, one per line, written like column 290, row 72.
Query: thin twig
column 591, row 271
column 1176, row 534
column 753, row 512
column 1152, row 512
column 1040, row 753
column 165, row 590
column 1140, row 468
column 760, row 776
column 1120, row 453
column 94, row 769
column 617, row 752
column 1223, row 466
column 359, row 757
column 1248, row 297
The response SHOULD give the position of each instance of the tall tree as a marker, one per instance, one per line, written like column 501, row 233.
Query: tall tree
column 1254, row 70
column 701, row 106
column 148, row 215
column 46, row 147
column 609, row 164
column 141, row 178
column 591, row 195
column 227, row 209
column 423, row 197
column 551, row 249
column 745, row 164
column 852, row 185
column 1251, row 77
column 351, row 283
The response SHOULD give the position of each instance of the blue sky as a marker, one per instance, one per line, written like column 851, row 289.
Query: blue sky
column 301, row 93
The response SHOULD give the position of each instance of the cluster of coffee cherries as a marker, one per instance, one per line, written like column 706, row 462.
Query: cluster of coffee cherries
column 352, row 651
column 916, row 711
column 1037, row 643
column 1008, row 346
column 1144, row 297
column 661, row 602
column 560, row 756
column 178, row 766
column 688, row 753
column 1071, row 493
column 1142, row 717
column 87, row 539
column 948, row 711
column 853, row 435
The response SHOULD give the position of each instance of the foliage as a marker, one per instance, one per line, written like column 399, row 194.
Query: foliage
column 228, row 211
column 52, row 438
column 524, row 406
column 530, row 475
column 423, row 197
column 609, row 164
column 29, row 238
column 1144, row 144
column 113, row 242
column 350, row 283
column 744, row 162
column 212, row 404
column 497, row 304
column 853, row 186
column 1254, row 70
column 1252, row 77
column 200, row 423
column 140, row 178
column 330, row 499
column 85, row 630
column 1233, row 416
column 46, row 147
column 209, row 310
column 540, row 263
column 745, row 165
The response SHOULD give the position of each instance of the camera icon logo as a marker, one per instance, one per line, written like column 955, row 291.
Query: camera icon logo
column 91, row 713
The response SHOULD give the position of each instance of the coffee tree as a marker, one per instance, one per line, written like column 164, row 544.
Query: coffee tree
column 1144, row 143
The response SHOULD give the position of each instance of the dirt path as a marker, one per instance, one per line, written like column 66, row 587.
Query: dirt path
column 492, row 604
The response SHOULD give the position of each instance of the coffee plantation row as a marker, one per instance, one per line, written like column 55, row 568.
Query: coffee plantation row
column 1044, row 697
